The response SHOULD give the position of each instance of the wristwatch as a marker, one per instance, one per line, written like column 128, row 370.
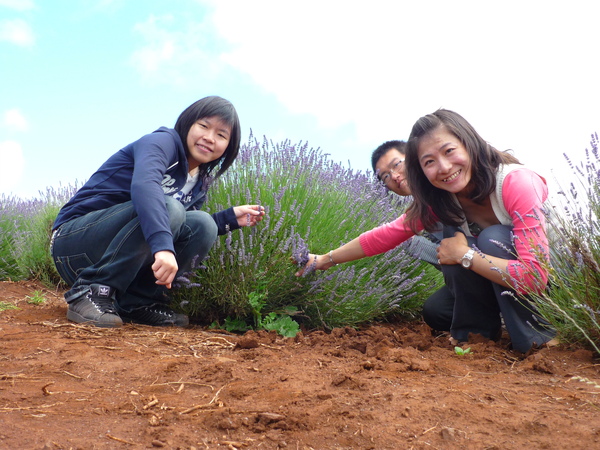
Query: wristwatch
column 467, row 260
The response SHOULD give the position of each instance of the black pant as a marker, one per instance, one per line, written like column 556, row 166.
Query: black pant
column 470, row 303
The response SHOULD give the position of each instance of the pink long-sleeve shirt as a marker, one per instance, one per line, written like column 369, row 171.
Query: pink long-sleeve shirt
column 523, row 193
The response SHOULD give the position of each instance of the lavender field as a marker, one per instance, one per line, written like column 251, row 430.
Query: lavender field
column 316, row 204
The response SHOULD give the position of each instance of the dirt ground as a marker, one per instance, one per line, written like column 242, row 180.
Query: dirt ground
column 388, row 386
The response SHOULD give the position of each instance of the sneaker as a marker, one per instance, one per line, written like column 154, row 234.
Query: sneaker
column 96, row 307
column 156, row 315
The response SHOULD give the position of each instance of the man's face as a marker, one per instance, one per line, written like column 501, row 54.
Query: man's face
column 390, row 170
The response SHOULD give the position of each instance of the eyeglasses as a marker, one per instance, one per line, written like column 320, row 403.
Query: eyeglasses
column 387, row 176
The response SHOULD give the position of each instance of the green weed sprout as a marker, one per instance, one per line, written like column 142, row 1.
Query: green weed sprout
column 4, row 306
column 36, row 298
column 462, row 352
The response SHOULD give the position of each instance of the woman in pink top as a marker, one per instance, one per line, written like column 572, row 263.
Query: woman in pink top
column 495, row 246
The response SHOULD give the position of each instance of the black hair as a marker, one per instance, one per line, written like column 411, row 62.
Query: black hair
column 209, row 107
column 384, row 148
column 428, row 199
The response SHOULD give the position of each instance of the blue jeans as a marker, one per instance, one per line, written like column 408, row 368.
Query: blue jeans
column 108, row 247
column 470, row 303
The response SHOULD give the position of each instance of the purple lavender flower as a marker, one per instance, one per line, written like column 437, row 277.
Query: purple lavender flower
column 299, row 250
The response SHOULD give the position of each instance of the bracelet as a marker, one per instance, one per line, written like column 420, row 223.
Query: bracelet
column 331, row 258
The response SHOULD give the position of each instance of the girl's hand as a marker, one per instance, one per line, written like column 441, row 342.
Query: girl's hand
column 316, row 262
column 451, row 250
column 164, row 268
column 249, row 215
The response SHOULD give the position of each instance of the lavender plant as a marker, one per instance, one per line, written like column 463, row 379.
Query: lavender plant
column 572, row 303
column 311, row 202
column 25, row 226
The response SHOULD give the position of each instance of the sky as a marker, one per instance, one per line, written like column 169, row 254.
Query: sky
column 80, row 79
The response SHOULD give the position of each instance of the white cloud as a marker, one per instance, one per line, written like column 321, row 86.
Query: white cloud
column 11, row 165
column 522, row 72
column 13, row 119
column 18, row 5
column 175, row 51
column 17, row 31
column 333, row 61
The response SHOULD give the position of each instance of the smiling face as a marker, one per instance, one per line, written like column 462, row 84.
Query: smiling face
column 207, row 140
column 445, row 160
column 391, row 171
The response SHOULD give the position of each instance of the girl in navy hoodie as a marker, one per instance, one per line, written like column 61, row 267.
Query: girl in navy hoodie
column 136, row 224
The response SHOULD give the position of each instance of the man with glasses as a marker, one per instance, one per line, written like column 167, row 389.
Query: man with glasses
column 388, row 164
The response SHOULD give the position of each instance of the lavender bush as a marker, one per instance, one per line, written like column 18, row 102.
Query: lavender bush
column 311, row 203
column 25, row 227
column 572, row 304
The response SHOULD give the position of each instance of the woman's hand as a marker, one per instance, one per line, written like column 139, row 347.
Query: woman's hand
column 346, row 253
column 165, row 268
column 249, row 215
column 451, row 250
column 316, row 262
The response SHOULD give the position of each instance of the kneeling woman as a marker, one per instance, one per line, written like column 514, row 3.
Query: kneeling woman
column 495, row 245
column 135, row 225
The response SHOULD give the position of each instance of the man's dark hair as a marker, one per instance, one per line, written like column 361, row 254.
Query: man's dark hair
column 384, row 148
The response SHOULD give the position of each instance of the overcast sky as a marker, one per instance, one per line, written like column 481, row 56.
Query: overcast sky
column 80, row 79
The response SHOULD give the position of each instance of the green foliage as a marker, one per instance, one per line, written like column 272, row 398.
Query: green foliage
column 232, row 325
column 36, row 298
column 257, row 301
column 4, row 306
column 462, row 352
column 281, row 322
column 35, row 255
column 10, row 222
column 25, row 229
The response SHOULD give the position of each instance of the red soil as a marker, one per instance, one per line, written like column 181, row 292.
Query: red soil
column 386, row 386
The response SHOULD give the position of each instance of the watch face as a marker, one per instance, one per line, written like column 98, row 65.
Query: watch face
column 467, row 260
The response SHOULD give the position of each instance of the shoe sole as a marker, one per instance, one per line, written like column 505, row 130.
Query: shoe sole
column 74, row 317
column 165, row 324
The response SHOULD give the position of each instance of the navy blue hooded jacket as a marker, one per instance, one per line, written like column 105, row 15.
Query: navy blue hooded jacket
column 144, row 172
